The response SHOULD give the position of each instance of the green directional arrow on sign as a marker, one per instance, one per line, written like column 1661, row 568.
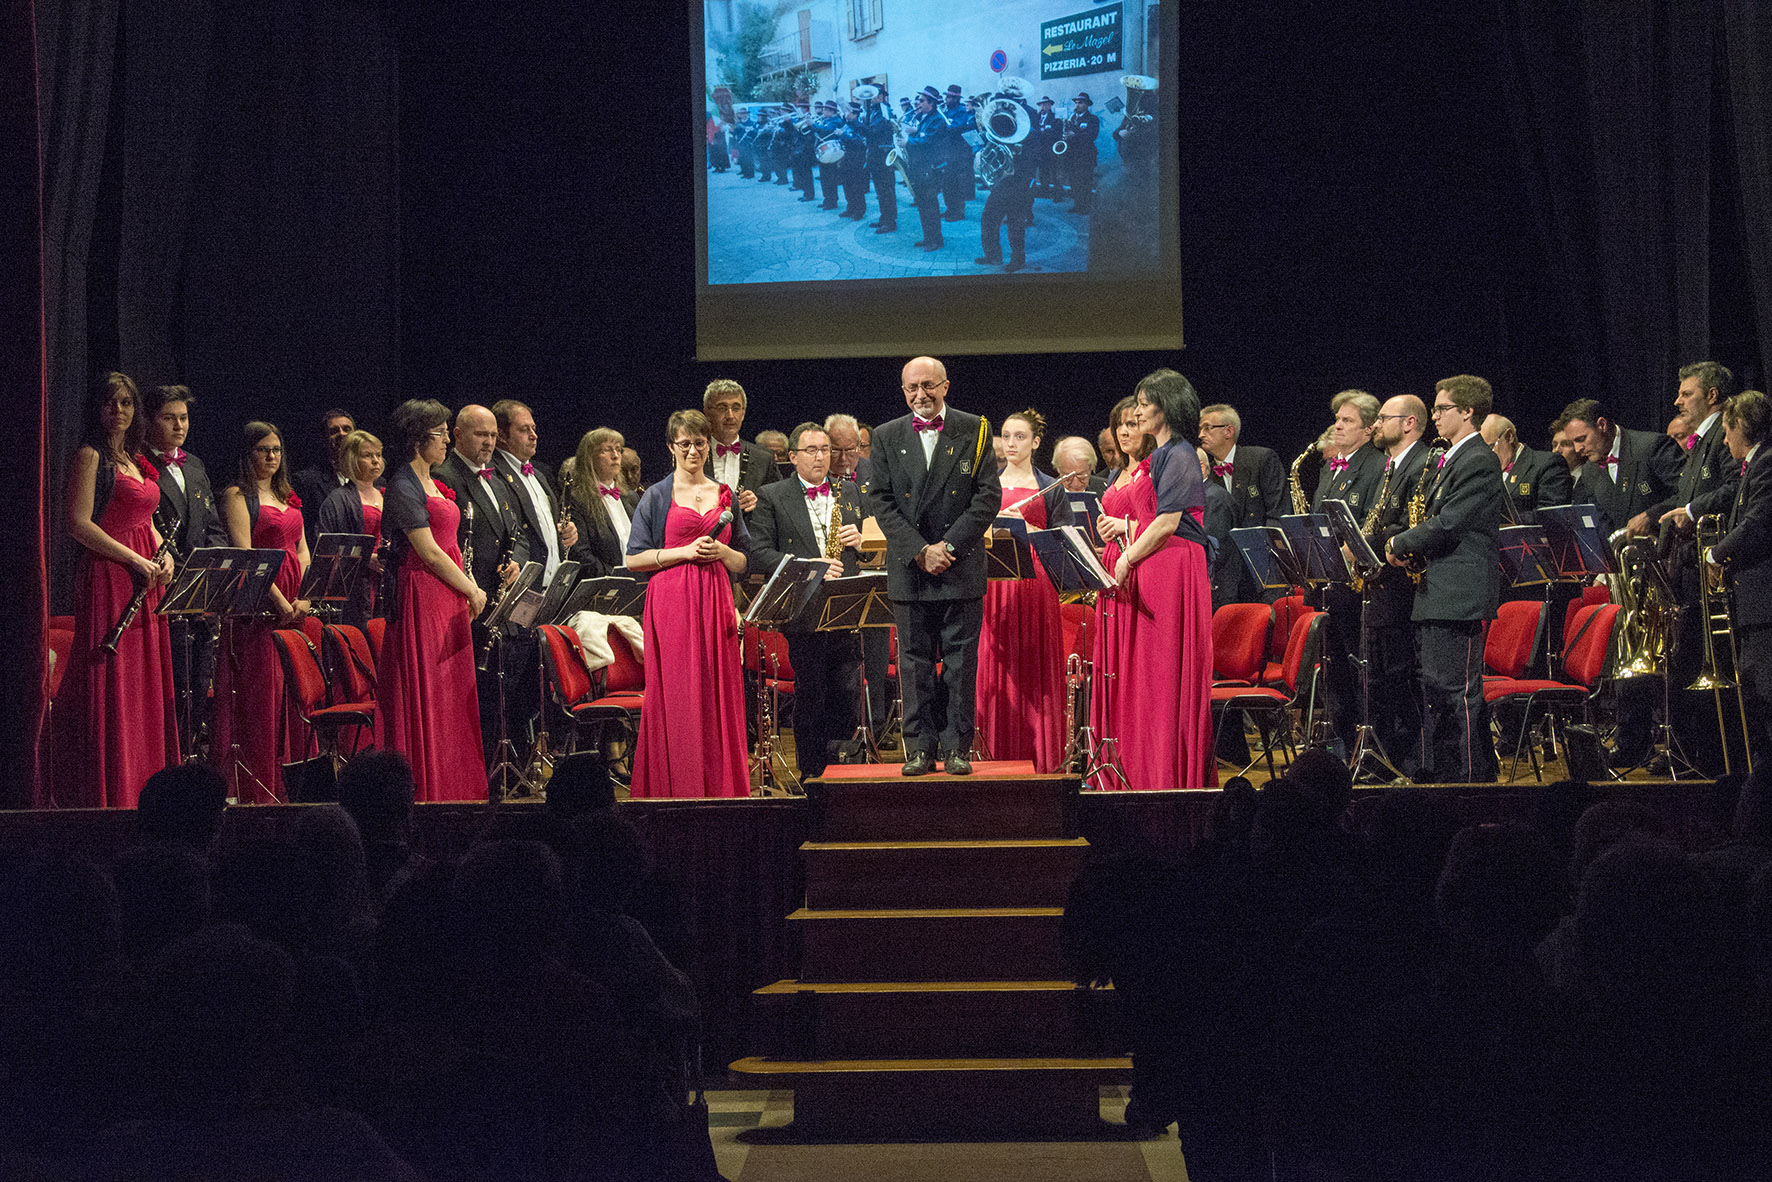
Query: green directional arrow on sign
column 1052, row 49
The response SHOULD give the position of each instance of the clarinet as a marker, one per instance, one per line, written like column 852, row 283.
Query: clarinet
column 133, row 608
column 467, row 543
column 506, row 549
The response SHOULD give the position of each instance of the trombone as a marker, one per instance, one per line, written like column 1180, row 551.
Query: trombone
column 1719, row 627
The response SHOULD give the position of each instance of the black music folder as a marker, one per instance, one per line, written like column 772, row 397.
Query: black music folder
column 610, row 595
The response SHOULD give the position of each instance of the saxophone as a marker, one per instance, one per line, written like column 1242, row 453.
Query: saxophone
column 1416, row 566
column 1368, row 529
column 833, row 544
column 1301, row 503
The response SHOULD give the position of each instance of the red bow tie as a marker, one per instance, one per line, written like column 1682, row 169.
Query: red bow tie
column 175, row 457
column 1691, row 441
column 528, row 469
column 727, row 449
column 484, row 474
column 818, row 490
column 1507, row 470
column 610, row 490
column 922, row 424
column 1610, row 461
column 1442, row 462
column 1222, row 469
column 1338, row 464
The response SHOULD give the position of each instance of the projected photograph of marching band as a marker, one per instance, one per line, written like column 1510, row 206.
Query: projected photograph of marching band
column 874, row 139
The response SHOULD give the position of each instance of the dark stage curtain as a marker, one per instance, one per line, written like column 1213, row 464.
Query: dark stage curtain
column 24, row 391
column 1612, row 106
column 1747, row 52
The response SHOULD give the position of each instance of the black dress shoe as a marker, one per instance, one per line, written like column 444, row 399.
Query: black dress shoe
column 988, row 261
column 919, row 763
column 886, row 230
column 955, row 764
column 1014, row 265
column 936, row 245
column 921, row 242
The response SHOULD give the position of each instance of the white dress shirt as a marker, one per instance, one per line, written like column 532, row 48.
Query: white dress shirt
column 177, row 470
column 724, row 468
column 531, row 487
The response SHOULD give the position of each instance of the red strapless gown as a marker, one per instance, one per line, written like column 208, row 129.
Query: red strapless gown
column 692, row 737
column 249, row 698
column 1165, row 692
column 426, row 706
column 1109, row 651
column 1021, row 662
column 115, row 726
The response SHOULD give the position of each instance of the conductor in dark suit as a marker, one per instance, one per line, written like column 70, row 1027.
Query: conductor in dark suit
column 187, row 496
column 797, row 517
column 1460, row 543
column 497, row 529
column 1745, row 553
column 740, row 465
column 1625, row 472
column 1531, row 478
column 934, row 493
column 1254, row 476
column 318, row 481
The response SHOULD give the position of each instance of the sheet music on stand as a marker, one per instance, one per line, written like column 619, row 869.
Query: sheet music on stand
column 1269, row 557
column 784, row 596
column 853, row 601
column 1577, row 543
column 1069, row 560
column 1007, row 554
column 1348, row 533
column 1315, row 546
column 1526, row 557
column 607, row 595
column 499, row 611
column 1086, row 507
column 338, row 566
column 554, row 596
column 222, row 581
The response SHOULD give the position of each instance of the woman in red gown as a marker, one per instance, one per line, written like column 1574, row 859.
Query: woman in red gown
column 1110, row 649
column 1165, row 702
column 1021, row 646
column 261, row 512
column 426, row 705
column 355, row 508
column 692, row 736
column 115, row 725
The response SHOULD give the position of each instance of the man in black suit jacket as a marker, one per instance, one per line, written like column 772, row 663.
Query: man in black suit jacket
column 1624, row 472
column 1073, row 459
column 317, row 481
column 1745, row 552
column 531, row 484
column 1531, row 478
column 1353, row 475
column 1254, row 476
column 1395, row 671
column 850, row 466
column 187, row 498
column 935, row 492
column 1220, row 518
column 497, row 532
column 740, row 465
column 795, row 517
column 1460, row 543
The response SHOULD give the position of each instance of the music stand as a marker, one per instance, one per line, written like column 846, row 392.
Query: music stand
column 1269, row 557
column 1086, row 507
column 607, row 595
column 1316, row 548
column 1007, row 556
column 849, row 604
column 547, row 611
column 1368, row 747
column 1069, row 560
column 776, row 607
column 504, row 766
column 229, row 584
column 1577, row 543
column 1526, row 557
column 337, row 568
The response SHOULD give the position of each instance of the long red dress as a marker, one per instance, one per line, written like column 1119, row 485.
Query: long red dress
column 249, row 698
column 692, row 737
column 426, row 705
column 1021, row 662
column 1110, row 648
column 115, row 725
column 1165, row 690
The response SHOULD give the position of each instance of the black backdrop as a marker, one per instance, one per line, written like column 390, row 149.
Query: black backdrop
column 290, row 203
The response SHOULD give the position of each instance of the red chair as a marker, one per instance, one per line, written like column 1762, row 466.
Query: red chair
column 1584, row 665
column 1590, row 596
column 1513, row 638
column 313, row 629
column 1301, row 675
column 1239, row 643
column 575, row 689
column 306, row 685
column 376, row 630
column 350, row 668
column 1286, row 610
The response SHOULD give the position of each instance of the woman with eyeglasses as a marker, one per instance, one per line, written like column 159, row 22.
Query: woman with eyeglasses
column 601, row 508
column 1110, row 647
column 689, row 536
column 114, row 724
column 1163, row 707
column 261, row 512
column 426, row 706
column 356, row 508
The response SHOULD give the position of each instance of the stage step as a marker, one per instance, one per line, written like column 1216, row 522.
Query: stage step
column 862, row 1099
column 943, row 808
column 1030, row 873
column 805, row 1020
column 929, row 944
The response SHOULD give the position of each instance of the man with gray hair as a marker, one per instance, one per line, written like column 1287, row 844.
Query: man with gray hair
column 1255, row 478
column 1353, row 473
column 1073, row 458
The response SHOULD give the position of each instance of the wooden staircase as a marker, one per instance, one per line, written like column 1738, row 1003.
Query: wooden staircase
column 932, row 998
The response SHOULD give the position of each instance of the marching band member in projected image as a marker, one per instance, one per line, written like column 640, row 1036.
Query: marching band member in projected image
column 1165, row 702
column 934, row 493
column 426, row 706
column 689, row 535
column 114, row 723
column 1007, row 159
column 1021, row 646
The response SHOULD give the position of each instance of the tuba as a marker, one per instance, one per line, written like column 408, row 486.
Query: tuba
column 1005, row 123
column 1645, row 625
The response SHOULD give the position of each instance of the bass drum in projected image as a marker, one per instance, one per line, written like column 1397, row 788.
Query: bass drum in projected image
column 829, row 151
